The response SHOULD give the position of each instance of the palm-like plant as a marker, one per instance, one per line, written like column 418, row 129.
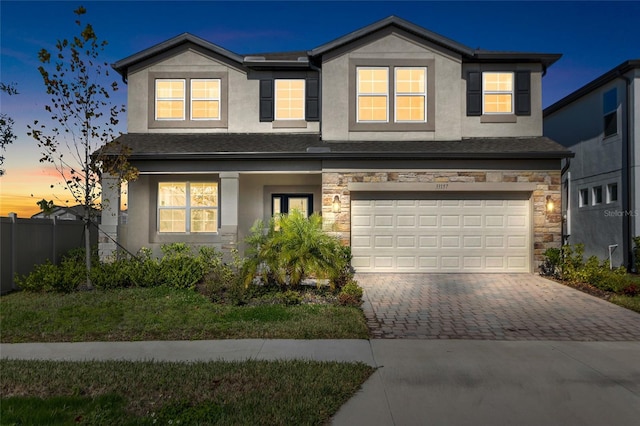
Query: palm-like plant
column 293, row 248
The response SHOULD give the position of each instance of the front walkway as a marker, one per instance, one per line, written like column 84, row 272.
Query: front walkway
column 489, row 307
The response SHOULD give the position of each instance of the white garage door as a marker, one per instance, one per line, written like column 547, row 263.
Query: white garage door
column 443, row 235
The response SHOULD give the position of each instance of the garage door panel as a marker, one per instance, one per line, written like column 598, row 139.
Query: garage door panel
column 451, row 235
column 358, row 220
column 428, row 241
column 360, row 241
column 472, row 221
column 406, row 241
column 428, row 221
column 449, row 221
column 471, row 262
column 472, row 241
column 405, row 221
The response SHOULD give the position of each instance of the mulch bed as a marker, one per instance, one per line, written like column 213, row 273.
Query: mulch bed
column 586, row 288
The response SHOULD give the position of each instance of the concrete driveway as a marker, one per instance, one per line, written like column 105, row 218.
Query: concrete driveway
column 489, row 307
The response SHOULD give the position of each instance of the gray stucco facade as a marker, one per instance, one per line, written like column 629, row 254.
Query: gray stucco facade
column 252, row 157
column 600, row 124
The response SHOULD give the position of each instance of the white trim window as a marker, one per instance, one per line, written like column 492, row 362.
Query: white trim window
column 289, row 99
column 188, row 207
column 612, row 193
column 583, row 196
column 410, row 95
column 170, row 99
column 497, row 93
column 596, row 193
column 205, row 99
column 373, row 95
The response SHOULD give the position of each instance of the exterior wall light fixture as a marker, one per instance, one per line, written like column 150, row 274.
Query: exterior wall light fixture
column 550, row 205
column 336, row 207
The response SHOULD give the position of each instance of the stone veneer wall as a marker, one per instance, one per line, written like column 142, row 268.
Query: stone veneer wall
column 547, row 226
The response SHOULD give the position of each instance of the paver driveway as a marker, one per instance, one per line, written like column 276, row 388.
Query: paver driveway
column 489, row 307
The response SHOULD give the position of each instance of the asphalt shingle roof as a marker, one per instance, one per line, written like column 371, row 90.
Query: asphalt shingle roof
column 269, row 145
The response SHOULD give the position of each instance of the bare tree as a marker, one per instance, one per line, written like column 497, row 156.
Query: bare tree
column 80, row 142
column 6, row 124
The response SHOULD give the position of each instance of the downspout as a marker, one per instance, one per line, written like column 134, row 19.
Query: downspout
column 566, row 218
column 626, row 176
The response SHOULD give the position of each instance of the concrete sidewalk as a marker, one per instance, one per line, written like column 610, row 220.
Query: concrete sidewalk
column 430, row 382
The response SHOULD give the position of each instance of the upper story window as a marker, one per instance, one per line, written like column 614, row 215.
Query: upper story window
column 205, row 99
column 391, row 95
column 289, row 99
column 610, row 112
column 409, row 94
column 499, row 96
column 187, row 207
column 497, row 93
column 186, row 100
column 373, row 94
column 170, row 99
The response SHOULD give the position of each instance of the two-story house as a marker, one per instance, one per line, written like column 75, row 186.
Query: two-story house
column 422, row 154
column 600, row 123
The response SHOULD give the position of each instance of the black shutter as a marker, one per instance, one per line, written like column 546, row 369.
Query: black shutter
column 266, row 100
column 312, row 107
column 523, row 93
column 474, row 93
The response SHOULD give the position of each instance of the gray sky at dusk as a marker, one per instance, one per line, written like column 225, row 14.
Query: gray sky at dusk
column 593, row 37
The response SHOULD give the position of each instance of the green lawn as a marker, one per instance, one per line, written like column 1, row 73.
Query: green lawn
column 165, row 314
column 145, row 393
column 629, row 302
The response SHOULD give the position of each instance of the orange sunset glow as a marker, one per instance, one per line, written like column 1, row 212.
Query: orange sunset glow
column 22, row 188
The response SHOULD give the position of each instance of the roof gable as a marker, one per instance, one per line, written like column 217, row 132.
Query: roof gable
column 605, row 78
column 392, row 21
column 123, row 65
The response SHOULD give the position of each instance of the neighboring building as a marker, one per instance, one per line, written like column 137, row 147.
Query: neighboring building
column 600, row 123
column 67, row 213
column 423, row 154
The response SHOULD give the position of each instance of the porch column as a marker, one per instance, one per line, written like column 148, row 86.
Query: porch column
column 229, row 196
column 108, row 234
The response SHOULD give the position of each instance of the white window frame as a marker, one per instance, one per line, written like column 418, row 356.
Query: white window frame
column 360, row 95
column 158, row 99
column 596, row 192
column 410, row 94
column 187, row 207
column 304, row 99
column 583, row 197
column 499, row 92
column 192, row 98
column 610, row 192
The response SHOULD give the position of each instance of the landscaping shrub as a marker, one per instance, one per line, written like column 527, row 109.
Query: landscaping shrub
column 552, row 264
column 222, row 282
column 350, row 295
column 569, row 261
column 179, row 268
column 63, row 278
column 572, row 262
column 144, row 269
column 44, row 277
column 292, row 248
